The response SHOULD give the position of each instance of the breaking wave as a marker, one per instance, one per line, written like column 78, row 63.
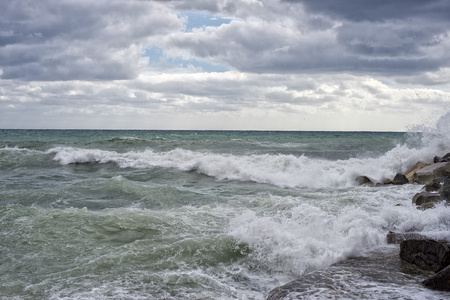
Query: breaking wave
column 276, row 169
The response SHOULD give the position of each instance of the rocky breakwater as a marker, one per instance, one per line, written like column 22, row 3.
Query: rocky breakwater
column 416, row 250
column 421, row 251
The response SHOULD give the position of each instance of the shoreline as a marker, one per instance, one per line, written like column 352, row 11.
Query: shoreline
column 379, row 269
column 408, row 264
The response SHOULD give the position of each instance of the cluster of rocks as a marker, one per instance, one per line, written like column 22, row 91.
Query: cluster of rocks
column 426, row 254
column 418, row 250
column 435, row 176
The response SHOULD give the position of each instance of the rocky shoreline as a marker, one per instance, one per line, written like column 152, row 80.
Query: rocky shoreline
column 419, row 253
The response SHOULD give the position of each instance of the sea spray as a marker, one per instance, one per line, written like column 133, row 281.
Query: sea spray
column 302, row 237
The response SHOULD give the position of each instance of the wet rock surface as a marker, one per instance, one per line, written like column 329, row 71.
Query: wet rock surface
column 440, row 281
column 397, row 238
column 426, row 254
column 426, row 197
column 383, row 276
column 429, row 173
column 400, row 179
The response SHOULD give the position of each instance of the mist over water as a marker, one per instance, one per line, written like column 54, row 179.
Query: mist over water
column 203, row 214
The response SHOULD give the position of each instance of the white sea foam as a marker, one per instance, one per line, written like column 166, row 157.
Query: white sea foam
column 305, row 236
column 307, row 240
column 280, row 170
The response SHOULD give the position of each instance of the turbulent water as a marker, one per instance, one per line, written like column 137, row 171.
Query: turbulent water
column 204, row 214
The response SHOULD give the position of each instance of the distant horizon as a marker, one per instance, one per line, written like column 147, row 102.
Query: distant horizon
column 205, row 130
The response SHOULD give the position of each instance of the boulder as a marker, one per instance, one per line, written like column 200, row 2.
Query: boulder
column 433, row 186
column 437, row 159
column 429, row 173
column 440, row 281
column 425, row 197
column 412, row 171
column 427, row 205
column 446, row 157
column 444, row 190
column 363, row 180
column 397, row 238
column 426, row 254
column 400, row 179
column 387, row 181
column 337, row 281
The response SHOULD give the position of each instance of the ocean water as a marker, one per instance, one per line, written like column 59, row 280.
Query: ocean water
column 206, row 214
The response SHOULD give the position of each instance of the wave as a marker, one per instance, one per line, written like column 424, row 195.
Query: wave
column 279, row 170
column 306, row 237
column 283, row 170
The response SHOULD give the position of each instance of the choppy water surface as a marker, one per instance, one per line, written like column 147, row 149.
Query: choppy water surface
column 204, row 215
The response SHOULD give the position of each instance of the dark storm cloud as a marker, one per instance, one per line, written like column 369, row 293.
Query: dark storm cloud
column 368, row 37
column 379, row 10
column 102, row 40
column 395, row 36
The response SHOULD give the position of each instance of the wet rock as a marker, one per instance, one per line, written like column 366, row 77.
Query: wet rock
column 412, row 171
column 400, row 179
column 397, row 238
column 426, row 254
column 427, row 205
column 444, row 190
column 446, row 157
column 363, row 180
column 426, row 197
column 382, row 269
column 429, row 173
column 387, row 181
column 440, row 281
column 433, row 186
column 437, row 159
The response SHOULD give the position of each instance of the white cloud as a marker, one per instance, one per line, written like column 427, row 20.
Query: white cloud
column 54, row 40
column 305, row 65
column 233, row 99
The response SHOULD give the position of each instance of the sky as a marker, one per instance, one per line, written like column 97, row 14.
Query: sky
column 350, row 65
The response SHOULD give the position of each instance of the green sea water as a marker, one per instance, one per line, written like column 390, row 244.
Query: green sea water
column 92, row 214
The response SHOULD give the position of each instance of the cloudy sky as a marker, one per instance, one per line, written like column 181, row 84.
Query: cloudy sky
column 224, row 64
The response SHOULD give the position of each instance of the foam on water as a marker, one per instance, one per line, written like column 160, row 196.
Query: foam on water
column 307, row 236
column 194, row 223
column 280, row 170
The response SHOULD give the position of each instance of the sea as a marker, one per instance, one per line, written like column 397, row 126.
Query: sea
column 142, row 214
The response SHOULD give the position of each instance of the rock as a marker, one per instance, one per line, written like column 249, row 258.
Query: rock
column 400, row 179
column 412, row 171
column 425, row 197
column 429, row 173
column 427, row 205
column 444, row 190
column 397, row 238
column 433, row 186
column 278, row 293
column 446, row 157
column 426, row 254
column 363, row 180
column 438, row 159
column 338, row 280
column 440, row 281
